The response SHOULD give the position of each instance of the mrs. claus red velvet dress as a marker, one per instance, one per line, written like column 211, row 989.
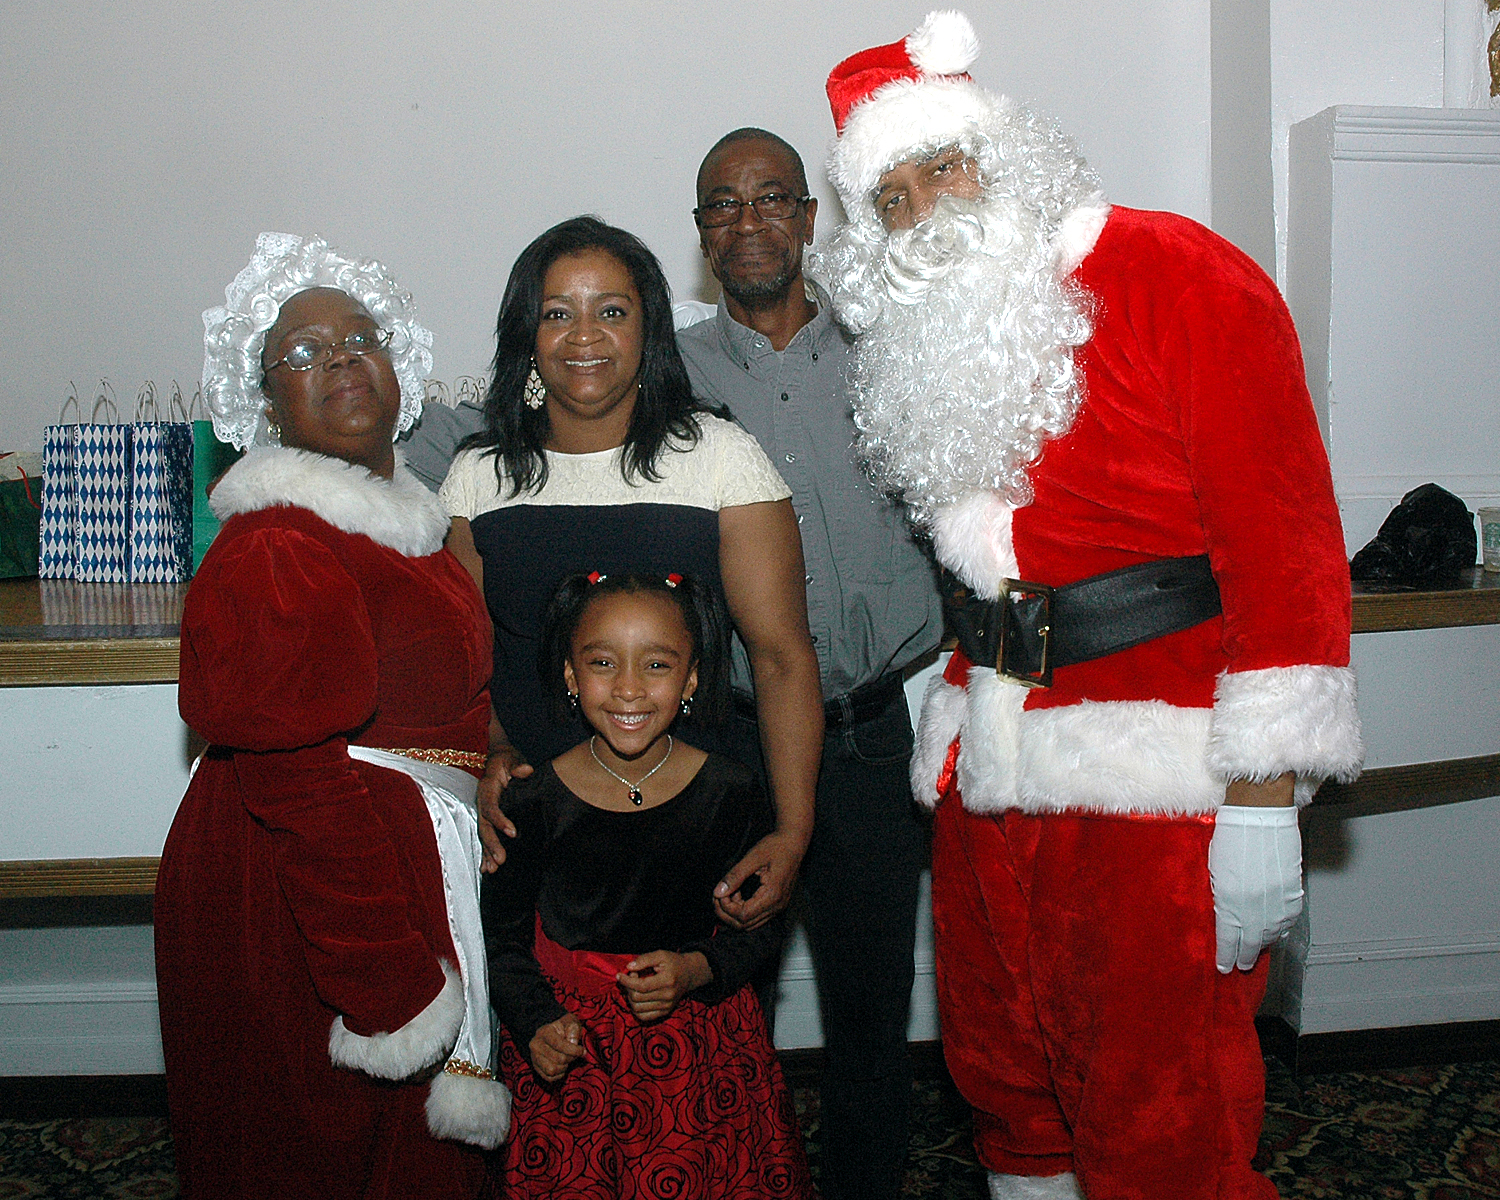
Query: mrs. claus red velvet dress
column 298, row 886
column 1082, row 1013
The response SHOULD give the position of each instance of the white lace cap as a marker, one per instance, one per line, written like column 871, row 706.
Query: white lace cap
column 234, row 333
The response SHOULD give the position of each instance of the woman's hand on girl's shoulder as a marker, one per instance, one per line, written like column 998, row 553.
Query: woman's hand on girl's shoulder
column 654, row 984
column 500, row 768
column 556, row 1046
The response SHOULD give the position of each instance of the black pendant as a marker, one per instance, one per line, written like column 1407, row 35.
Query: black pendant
column 635, row 796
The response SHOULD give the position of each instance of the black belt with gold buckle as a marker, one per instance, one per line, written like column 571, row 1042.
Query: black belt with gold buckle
column 1033, row 629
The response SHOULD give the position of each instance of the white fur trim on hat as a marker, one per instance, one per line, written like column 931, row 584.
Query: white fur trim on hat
column 422, row 1042
column 943, row 708
column 943, row 44
column 1302, row 719
column 464, row 1108
column 399, row 512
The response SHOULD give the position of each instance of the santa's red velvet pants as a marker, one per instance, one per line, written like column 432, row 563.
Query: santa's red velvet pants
column 1082, row 1014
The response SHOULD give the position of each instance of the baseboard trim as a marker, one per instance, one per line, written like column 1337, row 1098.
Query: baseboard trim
column 1376, row 1049
column 61, row 1097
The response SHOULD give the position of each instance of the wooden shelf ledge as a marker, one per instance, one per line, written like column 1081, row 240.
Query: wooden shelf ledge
column 33, row 878
column 90, row 661
column 1476, row 602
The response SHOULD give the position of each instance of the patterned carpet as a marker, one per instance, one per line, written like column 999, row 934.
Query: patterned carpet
column 1419, row 1133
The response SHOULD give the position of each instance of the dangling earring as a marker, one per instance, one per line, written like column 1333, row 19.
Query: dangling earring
column 687, row 706
column 573, row 701
column 535, row 392
column 273, row 430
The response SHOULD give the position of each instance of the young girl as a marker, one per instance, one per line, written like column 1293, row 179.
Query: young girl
column 638, row 1055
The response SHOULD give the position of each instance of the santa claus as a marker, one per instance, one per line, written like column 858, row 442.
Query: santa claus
column 1099, row 414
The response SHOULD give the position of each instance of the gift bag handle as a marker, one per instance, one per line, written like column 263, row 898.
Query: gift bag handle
column 178, row 405
column 470, row 389
column 147, row 396
column 105, row 398
column 71, row 398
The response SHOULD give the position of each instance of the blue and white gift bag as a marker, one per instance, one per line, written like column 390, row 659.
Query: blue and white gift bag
column 161, row 497
column 117, row 500
column 101, row 463
column 59, row 501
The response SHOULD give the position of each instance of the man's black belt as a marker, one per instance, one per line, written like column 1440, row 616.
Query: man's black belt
column 1032, row 629
column 866, row 701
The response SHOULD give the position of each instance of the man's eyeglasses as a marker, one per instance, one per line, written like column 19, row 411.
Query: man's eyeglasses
column 307, row 352
column 773, row 206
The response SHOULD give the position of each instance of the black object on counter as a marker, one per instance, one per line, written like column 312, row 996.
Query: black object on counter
column 1426, row 542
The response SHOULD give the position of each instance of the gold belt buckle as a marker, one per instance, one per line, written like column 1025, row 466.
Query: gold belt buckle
column 1012, row 590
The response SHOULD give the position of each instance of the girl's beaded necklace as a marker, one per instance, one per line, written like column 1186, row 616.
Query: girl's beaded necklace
column 634, row 789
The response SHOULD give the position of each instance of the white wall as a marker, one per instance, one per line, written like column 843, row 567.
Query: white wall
column 145, row 144
column 1327, row 52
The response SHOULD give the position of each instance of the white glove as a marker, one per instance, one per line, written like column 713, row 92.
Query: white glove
column 1255, row 866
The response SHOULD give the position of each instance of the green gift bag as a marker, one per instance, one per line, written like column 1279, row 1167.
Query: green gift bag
column 211, row 458
column 20, row 514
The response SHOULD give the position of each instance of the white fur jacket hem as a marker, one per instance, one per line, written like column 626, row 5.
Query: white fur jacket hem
column 398, row 512
column 1146, row 757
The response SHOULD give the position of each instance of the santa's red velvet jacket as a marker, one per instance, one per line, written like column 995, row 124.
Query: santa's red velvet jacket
column 1196, row 435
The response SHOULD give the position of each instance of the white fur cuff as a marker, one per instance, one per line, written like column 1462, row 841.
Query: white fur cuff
column 943, row 709
column 423, row 1041
column 463, row 1108
column 1299, row 719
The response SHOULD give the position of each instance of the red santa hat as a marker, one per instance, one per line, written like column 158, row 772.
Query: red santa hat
column 892, row 102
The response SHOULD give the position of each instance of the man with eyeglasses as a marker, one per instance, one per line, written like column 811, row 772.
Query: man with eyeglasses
column 775, row 357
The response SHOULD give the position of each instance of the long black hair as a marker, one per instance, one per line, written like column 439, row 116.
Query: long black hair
column 664, row 406
column 702, row 612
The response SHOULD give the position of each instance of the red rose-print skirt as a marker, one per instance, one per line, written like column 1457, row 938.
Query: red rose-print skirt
column 691, row 1108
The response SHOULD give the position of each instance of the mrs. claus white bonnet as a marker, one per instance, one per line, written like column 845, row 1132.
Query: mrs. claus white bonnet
column 234, row 333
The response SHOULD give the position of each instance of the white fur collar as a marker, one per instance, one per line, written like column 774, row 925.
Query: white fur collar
column 399, row 513
column 1079, row 231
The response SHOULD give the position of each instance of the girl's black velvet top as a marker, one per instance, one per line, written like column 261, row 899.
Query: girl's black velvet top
column 621, row 883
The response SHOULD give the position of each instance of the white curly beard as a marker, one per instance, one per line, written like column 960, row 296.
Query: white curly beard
column 964, row 361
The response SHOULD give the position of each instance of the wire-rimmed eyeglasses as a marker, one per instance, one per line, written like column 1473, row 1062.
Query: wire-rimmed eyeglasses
column 307, row 351
column 773, row 206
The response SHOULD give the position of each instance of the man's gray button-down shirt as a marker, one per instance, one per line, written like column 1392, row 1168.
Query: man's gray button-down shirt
column 871, row 599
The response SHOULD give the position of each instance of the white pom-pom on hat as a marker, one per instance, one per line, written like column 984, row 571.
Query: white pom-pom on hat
column 943, row 44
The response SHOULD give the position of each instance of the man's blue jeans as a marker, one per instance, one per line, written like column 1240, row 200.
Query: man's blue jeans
column 859, row 897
